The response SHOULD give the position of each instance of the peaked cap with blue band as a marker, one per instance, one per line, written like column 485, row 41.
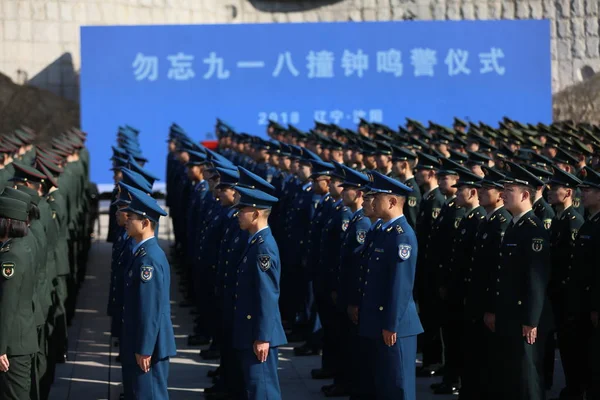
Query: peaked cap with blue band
column 136, row 180
column 354, row 179
column 228, row 177
column 254, row 198
column 591, row 180
column 252, row 181
column 385, row 184
column 135, row 167
column 146, row 206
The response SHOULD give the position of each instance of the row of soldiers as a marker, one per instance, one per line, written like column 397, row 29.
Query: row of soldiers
column 47, row 215
column 456, row 207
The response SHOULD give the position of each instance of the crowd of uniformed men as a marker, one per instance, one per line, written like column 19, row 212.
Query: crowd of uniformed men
column 494, row 232
column 47, row 213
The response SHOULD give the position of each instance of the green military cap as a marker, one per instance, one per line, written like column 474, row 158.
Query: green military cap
column 458, row 157
column 49, row 177
column 24, row 173
column 564, row 157
column 17, row 195
column 534, row 143
column 13, row 208
column 35, row 197
column 582, row 147
column 459, row 122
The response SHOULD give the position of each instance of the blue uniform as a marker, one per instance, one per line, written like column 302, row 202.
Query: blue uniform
column 387, row 303
column 120, row 259
column 147, row 328
column 256, row 315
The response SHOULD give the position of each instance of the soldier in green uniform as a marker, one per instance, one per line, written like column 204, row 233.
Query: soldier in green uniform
column 431, row 205
column 402, row 169
column 585, row 260
column 478, row 365
column 564, row 287
column 518, row 288
column 18, row 335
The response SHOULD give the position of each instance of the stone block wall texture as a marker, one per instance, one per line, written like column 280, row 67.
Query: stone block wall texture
column 39, row 39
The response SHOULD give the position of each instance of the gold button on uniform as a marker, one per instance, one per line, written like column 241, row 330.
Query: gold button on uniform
column 248, row 316
column 519, row 302
column 380, row 308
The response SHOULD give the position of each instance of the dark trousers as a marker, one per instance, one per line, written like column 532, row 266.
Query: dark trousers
column 15, row 384
column 452, row 334
column 430, row 341
column 573, row 338
column 519, row 374
column 593, row 392
column 478, row 366
column 347, row 361
column 366, row 373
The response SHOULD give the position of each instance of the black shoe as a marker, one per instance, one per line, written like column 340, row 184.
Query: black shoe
column 210, row 354
column 447, row 388
column 214, row 372
column 337, row 391
column 197, row 340
column 321, row 373
column 428, row 372
column 327, row 387
column 305, row 350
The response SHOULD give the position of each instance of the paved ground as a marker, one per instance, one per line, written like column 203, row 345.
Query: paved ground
column 92, row 372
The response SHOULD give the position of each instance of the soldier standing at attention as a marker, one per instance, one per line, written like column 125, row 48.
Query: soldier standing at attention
column 518, row 288
column 147, row 339
column 256, row 327
column 585, row 261
column 564, row 289
column 478, row 367
column 431, row 205
column 387, row 311
column 18, row 334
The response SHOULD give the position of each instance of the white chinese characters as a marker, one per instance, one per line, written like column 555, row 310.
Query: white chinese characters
column 181, row 67
column 325, row 64
column 145, row 67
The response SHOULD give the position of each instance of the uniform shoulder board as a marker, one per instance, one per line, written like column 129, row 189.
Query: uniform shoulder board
column 140, row 252
column 532, row 222
column 399, row 229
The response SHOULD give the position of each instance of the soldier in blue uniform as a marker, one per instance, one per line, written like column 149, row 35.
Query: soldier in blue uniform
column 522, row 316
column 387, row 311
column 147, row 337
column 256, row 324
column 354, row 235
column 314, row 272
column 337, row 223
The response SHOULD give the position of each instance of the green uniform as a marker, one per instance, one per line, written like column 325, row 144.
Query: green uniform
column 18, row 333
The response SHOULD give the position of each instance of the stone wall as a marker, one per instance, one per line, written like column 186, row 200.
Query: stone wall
column 39, row 39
